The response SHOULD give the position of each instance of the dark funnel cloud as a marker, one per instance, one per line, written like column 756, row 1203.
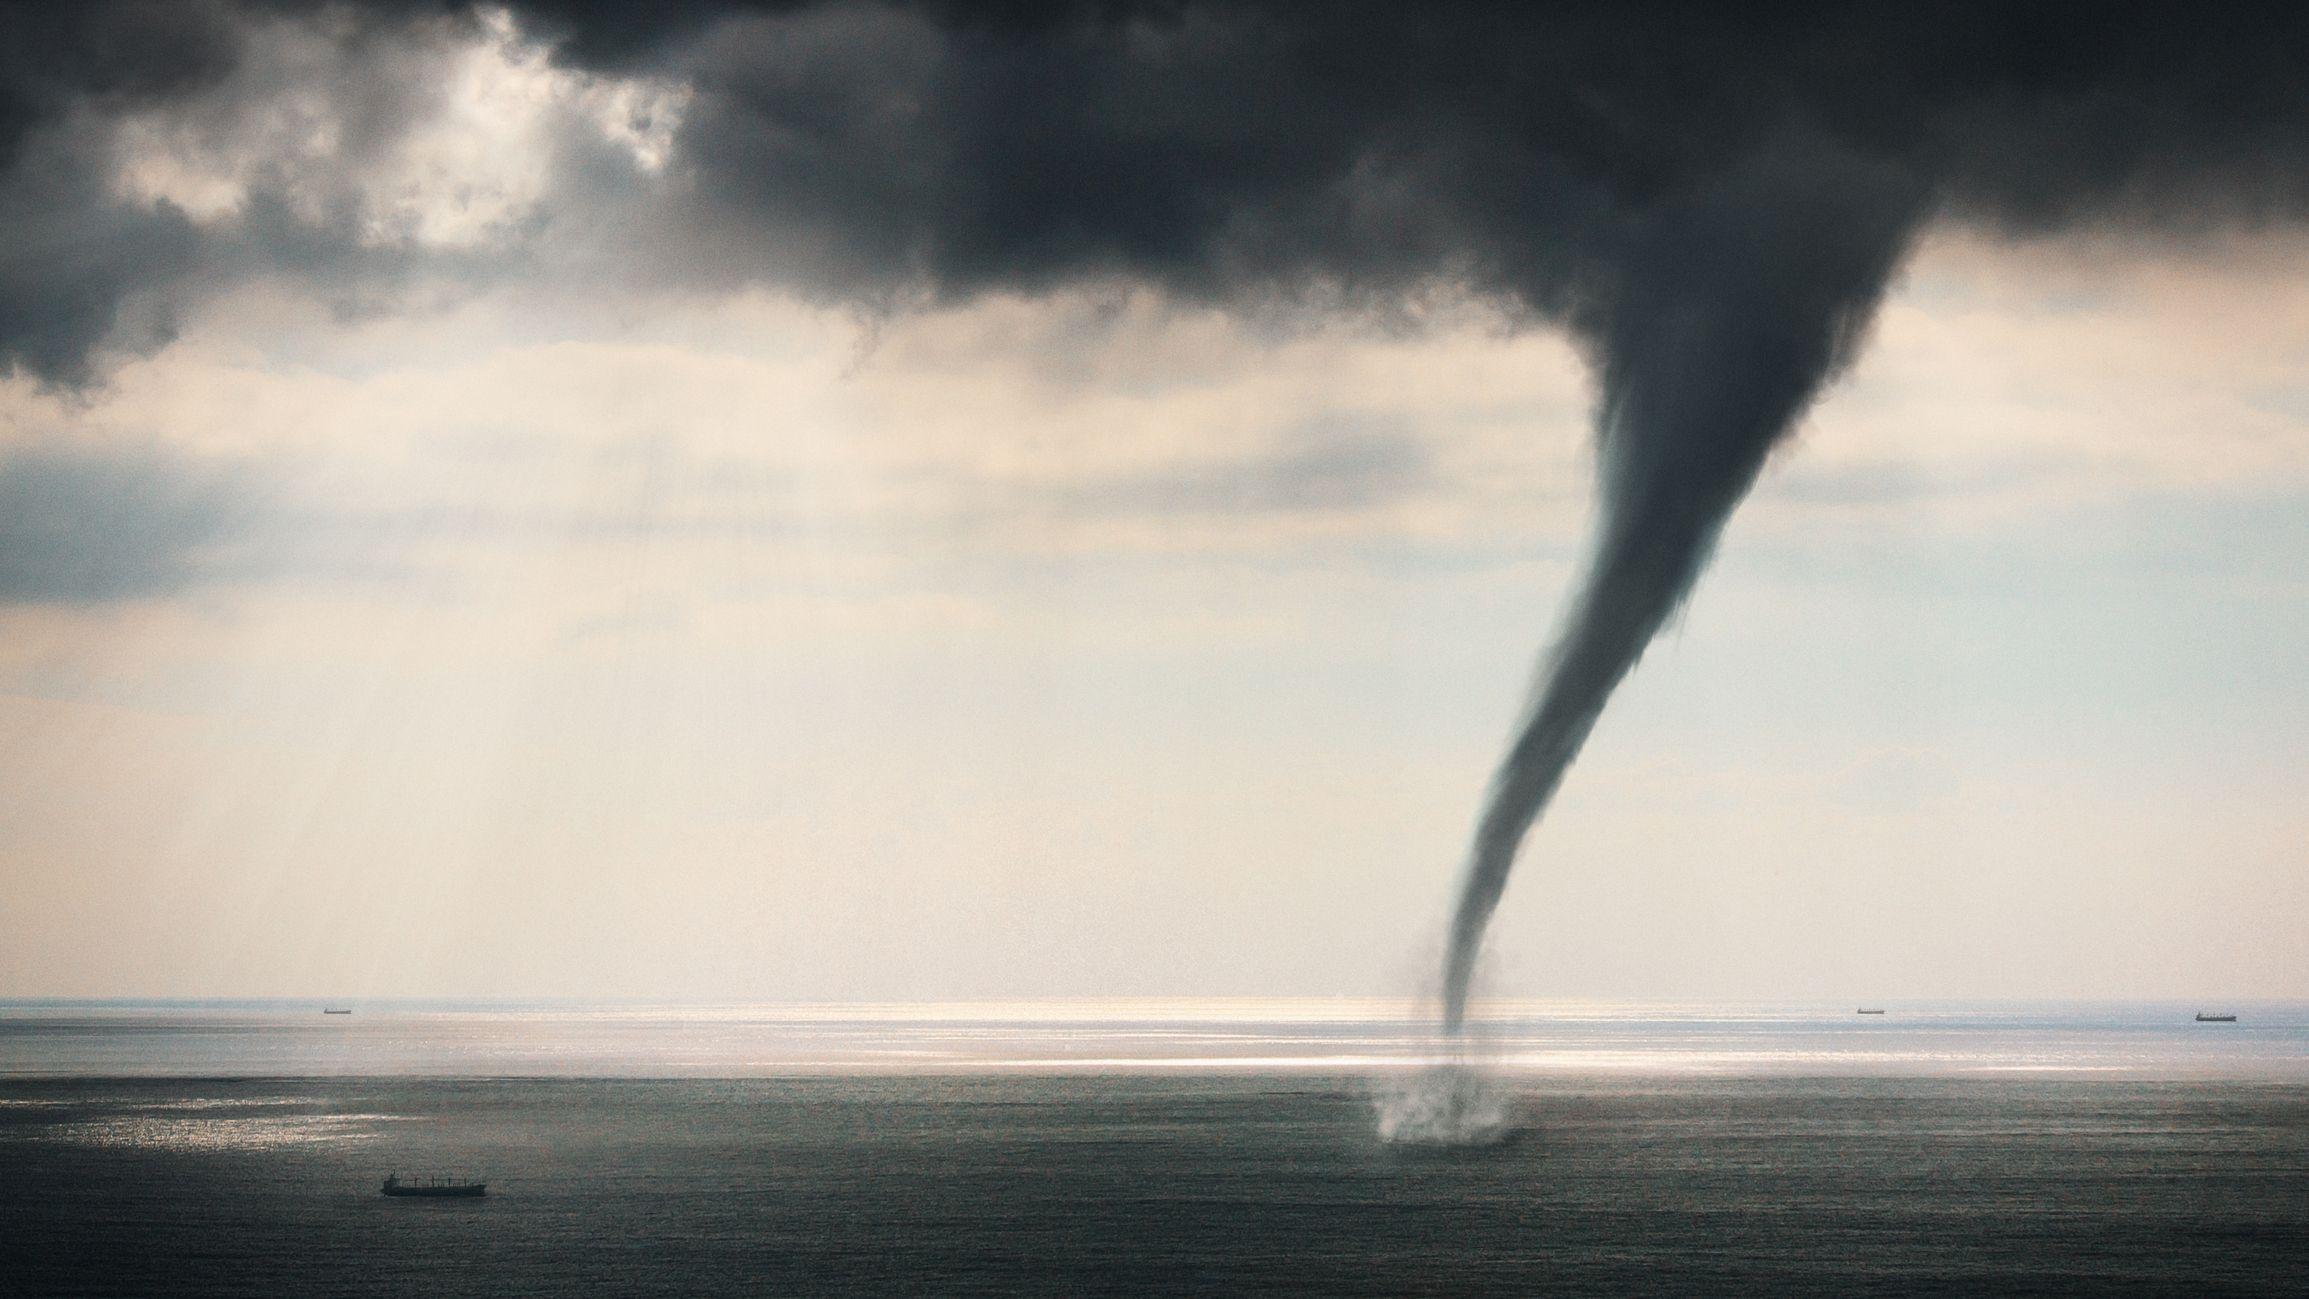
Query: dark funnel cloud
column 1734, row 306
column 1710, row 199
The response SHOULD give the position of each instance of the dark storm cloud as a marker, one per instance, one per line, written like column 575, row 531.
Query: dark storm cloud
column 87, row 527
column 73, row 254
column 1348, row 153
column 85, row 265
column 74, row 257
column 113, row 55
column 1228, row 149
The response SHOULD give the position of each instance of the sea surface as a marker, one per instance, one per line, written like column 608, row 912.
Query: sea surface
column 236, row 1148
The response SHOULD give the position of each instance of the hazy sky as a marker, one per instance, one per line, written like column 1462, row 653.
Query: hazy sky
column 420, row 575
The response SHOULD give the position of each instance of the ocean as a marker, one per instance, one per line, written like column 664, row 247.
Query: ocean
column 237, row 1148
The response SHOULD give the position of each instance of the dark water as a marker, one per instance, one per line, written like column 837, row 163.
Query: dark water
column 1137, row 1183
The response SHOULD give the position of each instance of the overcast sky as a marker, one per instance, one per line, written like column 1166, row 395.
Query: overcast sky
column 487, row 517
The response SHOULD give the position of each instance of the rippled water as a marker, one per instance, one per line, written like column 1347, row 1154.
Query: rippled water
column 1198, row 1183
column 237, row 1149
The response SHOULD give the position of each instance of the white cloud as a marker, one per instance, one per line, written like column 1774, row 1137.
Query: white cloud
column 448, row 141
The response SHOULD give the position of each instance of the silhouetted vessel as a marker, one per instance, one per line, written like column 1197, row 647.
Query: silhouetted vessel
column 435, row 1187
column 2204, row 1018
column 1865, row 1011
column 331, row 1010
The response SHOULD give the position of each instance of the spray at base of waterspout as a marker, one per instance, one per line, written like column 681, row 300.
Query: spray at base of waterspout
column 1448, row 1104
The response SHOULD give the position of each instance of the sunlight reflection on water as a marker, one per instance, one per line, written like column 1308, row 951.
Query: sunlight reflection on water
column 218, row 1134
column 627, row 1040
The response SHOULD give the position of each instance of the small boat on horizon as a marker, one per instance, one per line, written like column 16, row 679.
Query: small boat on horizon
column 444, row 1188
column 2204, row 1018
column 1866, row 1011
column 332, row 1010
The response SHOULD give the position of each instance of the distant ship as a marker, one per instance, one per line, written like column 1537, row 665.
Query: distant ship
column 331, row 1010
column 1865, row 1011
column 2204, row 1018
column 436, row 1187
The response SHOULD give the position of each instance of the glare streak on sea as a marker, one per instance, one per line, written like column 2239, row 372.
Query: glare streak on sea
column 2268, row 1042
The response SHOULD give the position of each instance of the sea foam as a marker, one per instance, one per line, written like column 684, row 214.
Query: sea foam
column 1445, row 1105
